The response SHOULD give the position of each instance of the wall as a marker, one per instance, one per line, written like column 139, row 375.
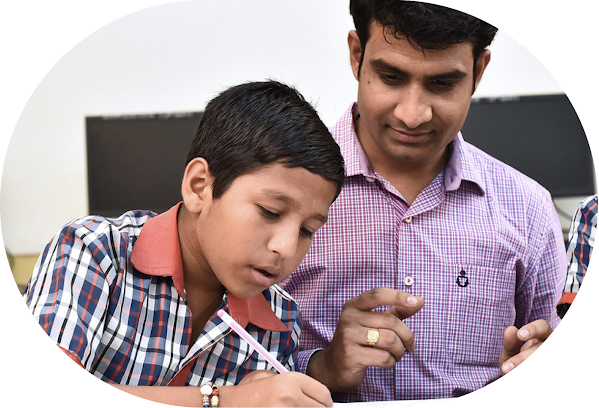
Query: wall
column 175, row 57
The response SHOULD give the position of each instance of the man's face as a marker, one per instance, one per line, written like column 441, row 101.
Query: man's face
column 412, row 102
column 260, row 229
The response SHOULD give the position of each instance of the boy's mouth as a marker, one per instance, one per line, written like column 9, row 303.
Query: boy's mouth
column 263, row 272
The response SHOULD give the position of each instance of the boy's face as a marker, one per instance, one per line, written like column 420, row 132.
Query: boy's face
column 260, row 229
column 411, row 103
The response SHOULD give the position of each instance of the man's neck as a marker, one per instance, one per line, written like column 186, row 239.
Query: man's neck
column 409, row 178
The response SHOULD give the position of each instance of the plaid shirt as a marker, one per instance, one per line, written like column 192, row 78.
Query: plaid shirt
column 481, row 244
column 581, row 239
column 110, row 293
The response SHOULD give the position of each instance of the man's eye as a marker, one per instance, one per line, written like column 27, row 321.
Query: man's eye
column 444, row 84
column 268, row 214
column 390, row 79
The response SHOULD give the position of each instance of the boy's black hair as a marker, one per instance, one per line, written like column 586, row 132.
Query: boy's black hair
column 257, row 123
column 424, row 25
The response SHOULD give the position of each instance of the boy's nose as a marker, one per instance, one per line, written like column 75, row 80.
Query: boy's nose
column 284, row 242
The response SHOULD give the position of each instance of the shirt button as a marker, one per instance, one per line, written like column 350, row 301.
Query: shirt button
column 408, row 220
column 408, row 281
column 370, row 179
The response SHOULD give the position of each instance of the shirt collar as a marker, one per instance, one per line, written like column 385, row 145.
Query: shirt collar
column 461, row 165
column 157, row 252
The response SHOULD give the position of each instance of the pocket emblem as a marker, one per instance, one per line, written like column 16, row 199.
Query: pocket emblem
column 462, row 280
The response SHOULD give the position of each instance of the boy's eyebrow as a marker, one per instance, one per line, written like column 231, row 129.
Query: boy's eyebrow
column 384, row 65
column 278, row 195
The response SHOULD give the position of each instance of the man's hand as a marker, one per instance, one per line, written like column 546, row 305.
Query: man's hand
column 514, row 352
column 342, row 365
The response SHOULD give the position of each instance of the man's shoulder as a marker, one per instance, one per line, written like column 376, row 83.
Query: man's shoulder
column 503, row 179
column 344, row 127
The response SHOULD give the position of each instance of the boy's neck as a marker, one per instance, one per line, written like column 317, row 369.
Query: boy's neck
column 202, row 304
column 203, row 291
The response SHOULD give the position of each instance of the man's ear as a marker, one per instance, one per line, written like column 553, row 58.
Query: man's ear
column 355, row 52
column 481, row 65
column 196, row 188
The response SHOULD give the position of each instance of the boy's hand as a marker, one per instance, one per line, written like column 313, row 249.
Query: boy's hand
column 257, row 389
column 342, row 365
column 514, row 352
column 266, row 388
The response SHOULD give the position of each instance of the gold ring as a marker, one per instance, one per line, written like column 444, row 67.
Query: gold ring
column 372, row 337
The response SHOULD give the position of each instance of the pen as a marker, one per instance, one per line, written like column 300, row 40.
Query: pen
column 252, row 341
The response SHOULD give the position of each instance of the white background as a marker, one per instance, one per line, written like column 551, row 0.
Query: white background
column 65, row 59
column 176, row 57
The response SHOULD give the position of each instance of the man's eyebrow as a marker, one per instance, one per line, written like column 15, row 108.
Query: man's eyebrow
column 278, row 195
column 385, row 66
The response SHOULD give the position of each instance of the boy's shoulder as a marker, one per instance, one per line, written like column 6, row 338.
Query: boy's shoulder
column 99, row 236
column 129, row 223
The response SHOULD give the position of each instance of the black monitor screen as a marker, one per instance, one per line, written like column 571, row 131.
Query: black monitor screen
column 539, row 135
column 137, row 161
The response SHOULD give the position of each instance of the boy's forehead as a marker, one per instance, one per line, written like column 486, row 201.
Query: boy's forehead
column 285, row 183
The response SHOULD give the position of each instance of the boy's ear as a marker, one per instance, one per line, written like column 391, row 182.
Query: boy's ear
column 196, row 187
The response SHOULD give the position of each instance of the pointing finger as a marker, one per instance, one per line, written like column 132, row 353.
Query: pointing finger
column 402, row 303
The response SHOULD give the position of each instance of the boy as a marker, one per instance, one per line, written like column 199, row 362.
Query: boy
column 133, row 300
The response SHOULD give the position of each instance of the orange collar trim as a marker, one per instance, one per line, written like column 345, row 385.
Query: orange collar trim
column 157, row 252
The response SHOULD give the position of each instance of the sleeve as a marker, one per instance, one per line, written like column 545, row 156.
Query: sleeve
column 303, row 358
column 538, row 295
column 581, row 239
column 69, row 291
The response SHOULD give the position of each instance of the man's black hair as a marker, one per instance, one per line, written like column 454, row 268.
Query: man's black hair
column 423, row 25
column 258, row 123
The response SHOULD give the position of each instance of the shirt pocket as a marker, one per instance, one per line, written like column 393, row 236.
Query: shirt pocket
column 482, row 307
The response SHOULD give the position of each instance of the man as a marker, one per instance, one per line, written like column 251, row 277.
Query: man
column 435, row 253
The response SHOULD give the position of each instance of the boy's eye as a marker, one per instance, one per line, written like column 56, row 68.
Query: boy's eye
column 306, row 232
column 268, row 214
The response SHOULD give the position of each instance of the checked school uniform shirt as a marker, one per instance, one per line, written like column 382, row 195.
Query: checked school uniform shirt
column 481, row 244
column 110, row 293
column 581, row 240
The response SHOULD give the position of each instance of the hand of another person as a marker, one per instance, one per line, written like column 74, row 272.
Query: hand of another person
column 514, row 352
column 342, row 365
column 266, row 388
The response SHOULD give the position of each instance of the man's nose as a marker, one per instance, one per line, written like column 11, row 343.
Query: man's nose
column 413, row 107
